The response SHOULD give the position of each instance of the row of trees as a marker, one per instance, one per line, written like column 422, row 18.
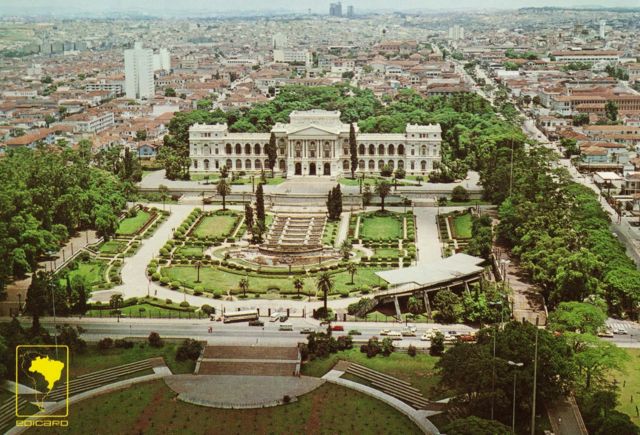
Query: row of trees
column 334, row 203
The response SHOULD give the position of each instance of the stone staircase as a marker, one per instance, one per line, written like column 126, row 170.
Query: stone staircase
column 295, row 233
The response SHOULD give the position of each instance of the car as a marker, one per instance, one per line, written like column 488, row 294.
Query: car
column 285, row 327
column 337, row 328
column 408, row 333
column 354, row 332
column 426, row 337
column 454, row 333
column 605, row 333
column 395, row 335
column 385, row 332
column 284, row 318
column 450, row 338
column 256, row 323
column 467, row 338
column 620, row 331
column 306, row 330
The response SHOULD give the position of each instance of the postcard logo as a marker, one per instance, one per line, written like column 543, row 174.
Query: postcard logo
column 45, row 370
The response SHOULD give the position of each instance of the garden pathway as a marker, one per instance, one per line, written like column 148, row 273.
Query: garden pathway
column 343, row 229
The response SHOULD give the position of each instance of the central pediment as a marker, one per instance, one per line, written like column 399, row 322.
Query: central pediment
column 312, row 131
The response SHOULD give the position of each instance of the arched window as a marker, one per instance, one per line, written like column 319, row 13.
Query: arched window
column 392, row 150
column 400, row 164
column 238, row 164
column 265, row 163
column 298, row 149
column 247, row 164
column 206, row 164
column 380, row 164
column 400, row 150
column 282, row 165
column 345, row 165
column 413, row 165
column 258, row 164
column 229, row 164
column 361, row 165
column 247, row 149
column 423, row 151
column 372, row 165
column 381, row 150
column 372, row 149
column 391, row 165
column 327, row 150
column 361, row 149
column 256, row 149
column 228, row 149
column 238, row 148
column 312, row 150
column 423, row 165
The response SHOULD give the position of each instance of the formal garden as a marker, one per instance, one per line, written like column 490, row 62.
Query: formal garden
column 388, row 238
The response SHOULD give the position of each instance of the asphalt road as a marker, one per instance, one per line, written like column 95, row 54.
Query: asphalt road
column 239, row 333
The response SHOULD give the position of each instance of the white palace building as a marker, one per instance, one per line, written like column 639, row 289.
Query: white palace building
column 314, row 142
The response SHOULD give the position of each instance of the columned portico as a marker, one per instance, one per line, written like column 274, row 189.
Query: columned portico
column 315, row 143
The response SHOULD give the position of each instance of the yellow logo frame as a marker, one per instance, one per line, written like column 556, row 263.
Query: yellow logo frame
column 66, row 399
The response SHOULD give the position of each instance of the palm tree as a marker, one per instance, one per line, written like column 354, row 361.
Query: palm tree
column 244, row 286
column 383, row 189
column 298, row 284
column 352, row 268
column 325, row 285
column 223, row 190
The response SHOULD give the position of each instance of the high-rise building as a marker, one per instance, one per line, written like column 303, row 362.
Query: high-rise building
column 335, row 9
column 456, row 32
column 138, row 72
column 350, row 13
column 603, row 28
column 279, row 41
column 162, row 60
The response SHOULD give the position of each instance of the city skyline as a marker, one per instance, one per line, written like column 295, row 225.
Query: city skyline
column 163, row 8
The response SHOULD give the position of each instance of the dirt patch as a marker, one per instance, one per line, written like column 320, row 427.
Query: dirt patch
column 314, row 422
column 144, row 419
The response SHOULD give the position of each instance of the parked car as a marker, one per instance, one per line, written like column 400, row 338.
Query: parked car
column 408, row 333
column 395, row 335
column 607, row 332
column 426, row 337
column 256, row 323
column 448, row 338
column 337, row 328
column 467, row 338
column 285, row 327
column 306, row 330
column 385, row 332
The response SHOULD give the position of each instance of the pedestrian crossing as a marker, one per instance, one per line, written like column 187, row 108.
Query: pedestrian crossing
column 625, row 325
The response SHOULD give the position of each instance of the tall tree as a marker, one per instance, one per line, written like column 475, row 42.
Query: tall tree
column 260, row 212
column 351, row 269
column 244, row 286
column 272, row 152
column 581, row 317
column 383, row 189
column 248, row 217
column 298, row 284
column 325, row 284
column 353, row 150
column 37, row 302
column 106, row 222
column 223, row 189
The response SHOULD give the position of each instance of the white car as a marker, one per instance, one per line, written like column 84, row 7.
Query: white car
column 395, row 335
column 426, row 337
column 385, row 332
column 620, row 331
column 408, row 332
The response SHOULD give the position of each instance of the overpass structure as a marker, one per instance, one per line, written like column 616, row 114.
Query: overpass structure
column 459, row 270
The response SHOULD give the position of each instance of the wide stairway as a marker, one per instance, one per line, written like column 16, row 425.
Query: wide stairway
column 295, row 234
column 392, row 386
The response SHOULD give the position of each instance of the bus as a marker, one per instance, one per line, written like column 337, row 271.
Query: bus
column 240, row 316
column 285, row 327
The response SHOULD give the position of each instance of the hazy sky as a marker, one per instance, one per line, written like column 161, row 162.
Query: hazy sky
column 71, row 7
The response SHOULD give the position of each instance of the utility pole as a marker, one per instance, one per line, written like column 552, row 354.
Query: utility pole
column 535, row 376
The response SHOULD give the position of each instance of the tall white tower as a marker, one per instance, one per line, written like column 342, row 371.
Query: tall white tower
column 603, row 28
column 138, row 72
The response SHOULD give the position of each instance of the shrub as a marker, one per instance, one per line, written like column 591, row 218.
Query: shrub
column 286, row 398
column 189, row 349
column 123, row 343
column 412, row 351
column 156, row 276
column 218, row 293
column 184, row 304
column 208, row 309
column 344, row 293
column 155, row 340
column 164, row 280
column 387, row 346
column 168, row 301
column 175, row 285
column 437, row 344
column 105, row 343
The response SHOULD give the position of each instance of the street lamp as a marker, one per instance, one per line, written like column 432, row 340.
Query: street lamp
column 493, row 362
column 515, row 373
column 198, row 264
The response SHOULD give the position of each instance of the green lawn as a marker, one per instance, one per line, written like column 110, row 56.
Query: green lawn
column 152, row 408
column 215, row 226
column 132, row 225
column 113, row 247
column 418, row 370
column 92, row 273
column 380, row 226
column 462, row 226
column 328, row 238
column 388, row 252
column 214, row 278
column 189, row 250
column 629, row 384
column 94, row 359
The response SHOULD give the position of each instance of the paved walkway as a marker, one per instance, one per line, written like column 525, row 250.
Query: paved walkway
column 343, row 229
column 419, row 417
column 565, row 418
column 240, row 392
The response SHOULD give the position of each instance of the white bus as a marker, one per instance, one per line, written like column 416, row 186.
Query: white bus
column 240, row 316
column 285, row 327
